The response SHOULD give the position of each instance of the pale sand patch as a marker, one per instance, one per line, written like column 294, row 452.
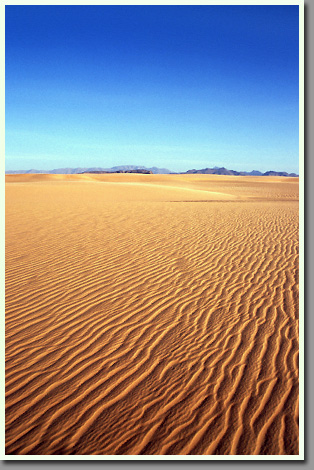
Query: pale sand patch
column 140, row 323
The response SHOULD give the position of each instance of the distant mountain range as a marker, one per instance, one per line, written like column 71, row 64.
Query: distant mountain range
column 154, row 170
column 75, row 171
column 224, row 171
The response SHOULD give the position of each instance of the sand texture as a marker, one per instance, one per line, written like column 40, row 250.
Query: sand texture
column 151, row 315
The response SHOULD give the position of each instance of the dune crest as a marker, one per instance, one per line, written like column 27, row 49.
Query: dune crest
column 151, row 315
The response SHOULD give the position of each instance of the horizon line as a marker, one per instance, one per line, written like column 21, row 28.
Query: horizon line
column 135, row 167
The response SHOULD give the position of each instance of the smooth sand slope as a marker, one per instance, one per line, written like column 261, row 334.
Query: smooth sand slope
column 151, row 314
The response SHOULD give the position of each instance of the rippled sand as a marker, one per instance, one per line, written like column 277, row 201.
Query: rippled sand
column 151, row 314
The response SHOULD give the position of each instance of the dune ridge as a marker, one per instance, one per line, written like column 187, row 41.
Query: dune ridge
column 140, row 323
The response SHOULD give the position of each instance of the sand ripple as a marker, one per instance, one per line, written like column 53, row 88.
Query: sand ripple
column 140, row 323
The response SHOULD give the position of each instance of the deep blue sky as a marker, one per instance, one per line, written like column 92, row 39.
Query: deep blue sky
column 179, row 87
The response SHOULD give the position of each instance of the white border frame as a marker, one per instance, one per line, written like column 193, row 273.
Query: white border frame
column 129, row 458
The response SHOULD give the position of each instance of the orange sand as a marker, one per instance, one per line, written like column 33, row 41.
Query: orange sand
column 151, row 314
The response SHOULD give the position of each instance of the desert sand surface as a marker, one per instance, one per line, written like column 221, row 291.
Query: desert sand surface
column 151, row 315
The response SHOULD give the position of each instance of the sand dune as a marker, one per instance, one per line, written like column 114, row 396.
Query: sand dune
column 151, row 315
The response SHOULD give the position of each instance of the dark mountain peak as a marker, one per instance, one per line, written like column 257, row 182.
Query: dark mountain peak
column 224, row 171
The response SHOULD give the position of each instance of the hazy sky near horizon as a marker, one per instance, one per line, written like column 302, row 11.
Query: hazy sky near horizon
column 178, row 87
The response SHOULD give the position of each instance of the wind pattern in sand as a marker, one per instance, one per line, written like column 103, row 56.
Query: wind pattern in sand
column 151, row 315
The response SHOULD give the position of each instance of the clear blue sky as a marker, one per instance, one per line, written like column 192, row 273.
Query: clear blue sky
column 179, row 87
